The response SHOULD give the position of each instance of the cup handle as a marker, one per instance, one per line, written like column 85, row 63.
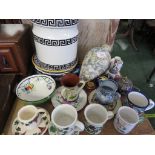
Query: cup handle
column 81, row 87
column 39, row 111
column 79, row 126
column 110, row 114
column 151, row 105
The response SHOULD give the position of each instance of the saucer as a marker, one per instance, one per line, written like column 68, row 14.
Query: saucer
column 91, row 100
column 52, row 130
column 57, row 99
column 18, row 128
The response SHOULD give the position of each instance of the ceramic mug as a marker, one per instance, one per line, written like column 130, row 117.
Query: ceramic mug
column 65, row 120
column 96, row 116
column 139, row 102
column 126, row 119
column 29, row 115
column 72, row 87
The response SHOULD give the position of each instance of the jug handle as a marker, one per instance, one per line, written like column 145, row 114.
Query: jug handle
column 151, row 105
column 82, row 85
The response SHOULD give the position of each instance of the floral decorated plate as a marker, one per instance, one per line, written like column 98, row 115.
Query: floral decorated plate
column 36, row 89
column 91, row 100
column 57, row 99
column 19, row 128
column 52, row 130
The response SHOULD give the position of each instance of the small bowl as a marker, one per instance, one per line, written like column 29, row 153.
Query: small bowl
column 36, row 89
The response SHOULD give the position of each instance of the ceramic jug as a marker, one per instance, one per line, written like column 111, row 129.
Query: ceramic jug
column 106, row 92
column 139, row 102
column 72, row 86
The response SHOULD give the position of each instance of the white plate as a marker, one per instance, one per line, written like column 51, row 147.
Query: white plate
column 19, row 128
column 35, row 88
column 91, row 101
column 57, row 99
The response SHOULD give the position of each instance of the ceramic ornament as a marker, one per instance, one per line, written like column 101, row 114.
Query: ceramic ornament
column 95, row 63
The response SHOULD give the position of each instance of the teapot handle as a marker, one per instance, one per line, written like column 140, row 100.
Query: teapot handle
column 151, row 105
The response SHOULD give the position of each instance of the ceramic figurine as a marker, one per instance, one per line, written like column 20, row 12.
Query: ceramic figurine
column 116, row 64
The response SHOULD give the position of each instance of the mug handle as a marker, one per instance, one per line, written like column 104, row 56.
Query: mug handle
column 110, row 114
column 151, row 105
column 81, row 87
column 39, row 111
column 79, row 126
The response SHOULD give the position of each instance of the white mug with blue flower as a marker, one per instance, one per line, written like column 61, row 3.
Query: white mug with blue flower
column 96, row 116
column 126, row 120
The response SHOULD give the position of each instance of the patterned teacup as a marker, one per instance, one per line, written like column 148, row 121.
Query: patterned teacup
column 96, row 116
column 65, row 120
column 29, row 116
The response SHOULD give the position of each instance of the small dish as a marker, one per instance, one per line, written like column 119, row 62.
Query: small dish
column 19, row 128
column 36, row 89
column 57, row 99
column 91, row 100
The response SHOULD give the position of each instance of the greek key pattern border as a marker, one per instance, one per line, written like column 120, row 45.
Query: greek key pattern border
column 55, row 22
column 48, row 67
column 49, row 42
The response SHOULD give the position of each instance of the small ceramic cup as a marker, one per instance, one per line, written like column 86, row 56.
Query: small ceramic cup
column 29, row 116
column 126, row 119
column 96, row 116
column 139, row 102
column 65, row 119
column 72, row 87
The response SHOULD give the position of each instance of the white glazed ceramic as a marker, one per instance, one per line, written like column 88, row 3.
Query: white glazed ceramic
column 65, row 120
column 96, row 116
column 116, row 64
column 78, row 104
column 35, row 88
column 139, row 102
column 72, row 86
column 126, row 119
column 114, row 107
column 71, row 94
column 55, row 46
column 20, row 128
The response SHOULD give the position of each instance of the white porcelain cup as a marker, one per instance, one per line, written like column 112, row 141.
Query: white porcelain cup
column 65, row 119
column 29, row 116
column 139, row 102
column 126, row 119
column 96, row 116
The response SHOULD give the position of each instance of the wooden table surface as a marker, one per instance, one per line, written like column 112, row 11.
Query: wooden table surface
column 144, row 128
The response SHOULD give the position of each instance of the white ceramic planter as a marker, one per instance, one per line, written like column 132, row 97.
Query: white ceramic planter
column 56, row 41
